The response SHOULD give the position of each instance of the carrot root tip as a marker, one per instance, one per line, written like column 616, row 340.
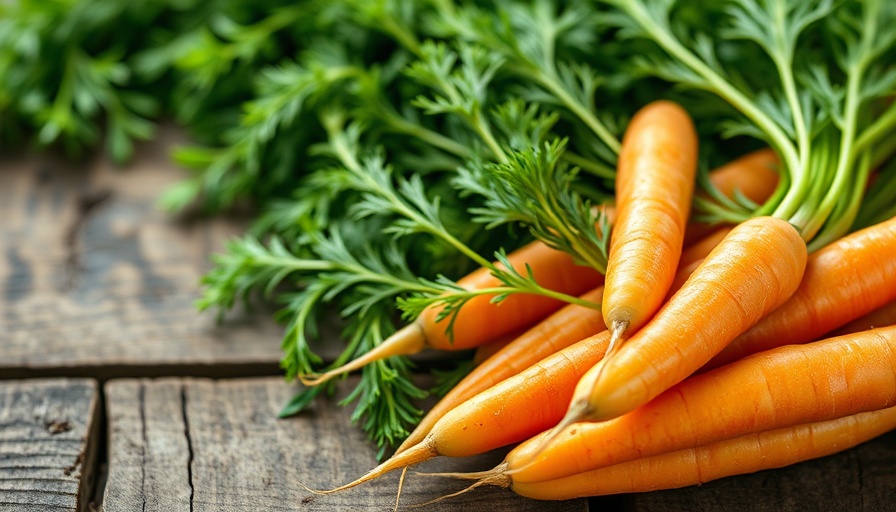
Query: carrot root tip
column 617, row 330
column 313, row 379
column 497, row 471
column 503, row 482
column 410, row 339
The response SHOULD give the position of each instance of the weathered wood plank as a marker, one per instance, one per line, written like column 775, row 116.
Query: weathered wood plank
column 96, row 280
column 203, row 445
column 862, row 479
column 48, row 444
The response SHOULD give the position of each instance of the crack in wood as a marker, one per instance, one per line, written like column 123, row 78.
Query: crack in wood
column 183, row 402
column 141, row 398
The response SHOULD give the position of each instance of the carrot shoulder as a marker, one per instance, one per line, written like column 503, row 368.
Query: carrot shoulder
column 753, row 176
column 654, row 184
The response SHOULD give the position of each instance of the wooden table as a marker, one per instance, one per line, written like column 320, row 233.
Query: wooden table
column 117, row 396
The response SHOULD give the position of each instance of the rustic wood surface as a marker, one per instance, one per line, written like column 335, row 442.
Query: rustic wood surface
column 96, row 280
column 48, row 444
column 204, row 445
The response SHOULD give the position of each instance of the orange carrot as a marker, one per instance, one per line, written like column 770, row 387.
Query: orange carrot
column 479, row 320
column 753, row 175
column 693, row 466
column 750, row 273
column 880, row 317
column 790, row 385
column 654, row 184
column 843, row 281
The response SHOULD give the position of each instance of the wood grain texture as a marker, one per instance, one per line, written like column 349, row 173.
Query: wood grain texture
column 48, row 444
column 96, row 280
column 204, row 445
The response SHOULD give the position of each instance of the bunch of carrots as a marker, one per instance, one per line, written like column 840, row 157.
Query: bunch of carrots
column 769, row 334
column 688, row 365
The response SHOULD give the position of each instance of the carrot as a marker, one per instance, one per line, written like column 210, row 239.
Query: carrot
column 880, row 317
column 843, row 281
column 654, row 184
column 750, row 273
column 507, row 412
column 752, row 175
column 738, row 456
column 480, row 320
column 787, row 386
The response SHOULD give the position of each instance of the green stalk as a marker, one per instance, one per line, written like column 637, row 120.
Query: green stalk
column 883, row 126
column 435, row 139
column 784, row 64
column 504, row 290
column 551, row 83
column 588, row 165
column 847, row 208
column 842, row 176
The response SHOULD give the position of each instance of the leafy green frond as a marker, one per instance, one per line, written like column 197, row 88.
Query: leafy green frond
column 247, row 265
column 535, row 188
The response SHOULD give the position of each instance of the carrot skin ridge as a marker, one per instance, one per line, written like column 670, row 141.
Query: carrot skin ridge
column 837, row 377
column 752, row 271
column 654, row 184
column 737, row 456
column 843, row 281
